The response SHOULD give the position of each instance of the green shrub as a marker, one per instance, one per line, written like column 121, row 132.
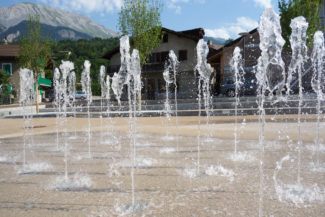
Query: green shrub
column 96, row 89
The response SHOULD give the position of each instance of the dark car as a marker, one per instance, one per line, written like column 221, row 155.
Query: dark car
column 248, row 88
column 50, row 94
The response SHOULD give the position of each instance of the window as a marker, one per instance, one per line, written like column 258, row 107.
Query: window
column 165, row 38
column 158, row 58
column 164, row 56
column 251, row 45
column 182, row 55
column 152, row 58
column 155, row 58
column 7, row 67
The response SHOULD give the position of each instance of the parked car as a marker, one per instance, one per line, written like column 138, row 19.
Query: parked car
column 248, row 88
column 50, row 95
column 80, row 95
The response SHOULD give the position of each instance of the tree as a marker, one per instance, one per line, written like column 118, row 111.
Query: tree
column 289, row 9
column 35, row 51
column 140, row 19
column 84, row 49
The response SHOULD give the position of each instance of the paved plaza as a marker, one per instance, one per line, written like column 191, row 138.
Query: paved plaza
column 168, row 178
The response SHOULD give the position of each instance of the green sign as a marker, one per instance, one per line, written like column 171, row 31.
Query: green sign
column 9, row 88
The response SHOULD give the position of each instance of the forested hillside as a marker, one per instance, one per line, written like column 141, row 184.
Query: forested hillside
column 81, row 50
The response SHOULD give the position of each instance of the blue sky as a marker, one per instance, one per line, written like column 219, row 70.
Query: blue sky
column 219, row 18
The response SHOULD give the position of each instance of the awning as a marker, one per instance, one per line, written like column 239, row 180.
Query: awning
column 43, row 82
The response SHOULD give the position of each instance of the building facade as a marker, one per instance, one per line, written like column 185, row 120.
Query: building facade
column 10, row 64
column 184, row 45
column 249, row 45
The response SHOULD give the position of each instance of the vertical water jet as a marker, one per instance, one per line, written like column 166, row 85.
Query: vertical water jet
column 297, row 65
column 86, row 87
column 26, row 99
column 237, row 66
column 204, row 70
column 270, row 77
column 317, row 82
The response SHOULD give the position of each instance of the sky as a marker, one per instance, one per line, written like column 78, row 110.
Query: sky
column 219, row 18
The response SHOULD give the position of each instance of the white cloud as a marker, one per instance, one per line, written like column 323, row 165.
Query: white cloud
column 101, row 6
column 243, row 24
column 264, row 3
column 176, row 4
column 217, row 33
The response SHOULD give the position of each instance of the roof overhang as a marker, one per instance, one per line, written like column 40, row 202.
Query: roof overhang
column 192, row 34
column 9, row 50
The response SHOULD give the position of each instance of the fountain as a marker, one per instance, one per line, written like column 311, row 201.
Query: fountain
column 270, row 77
column 168, row 80
column 62, row 100
column 86, row 87
column 299, row 58
column 102, row 74
column 64, row 84
column 297, row 192
column 108, row 101
column 72, row 98
column 236, row 63
column 122, row 77
column 129, row 75
column 318, row 80
column 171, row 69
column 56, row 102
column 204, row 70
column 124, row 183
column 26, row 99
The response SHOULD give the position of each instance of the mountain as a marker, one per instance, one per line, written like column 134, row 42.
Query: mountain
column 56, row 33
column 217, row 41
column 63, row 22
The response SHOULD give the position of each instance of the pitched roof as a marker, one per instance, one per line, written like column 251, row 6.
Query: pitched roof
column 193, row 34
column 9, row 50
column 239, row 38
column 213, row 49
column 229, row 44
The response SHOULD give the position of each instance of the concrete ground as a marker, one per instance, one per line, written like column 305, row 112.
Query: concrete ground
column 173, row 176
